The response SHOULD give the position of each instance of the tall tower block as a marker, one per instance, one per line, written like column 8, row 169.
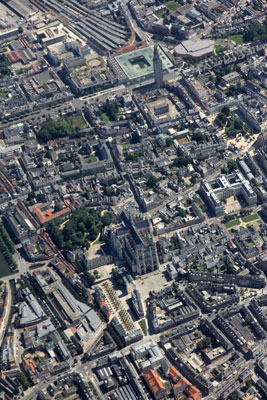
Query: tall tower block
column 158, row 70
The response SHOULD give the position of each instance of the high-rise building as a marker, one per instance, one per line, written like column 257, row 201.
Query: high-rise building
column 158, row 70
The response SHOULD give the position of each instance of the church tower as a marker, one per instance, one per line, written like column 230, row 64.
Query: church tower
column 158, row 70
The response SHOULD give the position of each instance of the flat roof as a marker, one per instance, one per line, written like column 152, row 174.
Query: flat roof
column 139, row 63
column 195, row 48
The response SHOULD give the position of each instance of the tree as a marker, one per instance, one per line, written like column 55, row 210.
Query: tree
column 198, row 137
column 226, row 111
column 90, row 278
column 182, row 161
column 225, row 170
column 181, row 212
column 56, row 129
column 85, row 357
column 110, row 109
column 234, row 395
column 93, row 233
column 234, row 90
column 58, row 207
column 49, row 154
column 169, row 141
column 77, row 345
column 31, row 196
column 232, row 166
column 108, row 191
column 256, row 31
column 249, row 383
column 205, row 342
column 107, row 218
column 247, row 320
column 82, row 226
column 4, row 67
column 23, row 380
column 222, row 117
column 151, row 181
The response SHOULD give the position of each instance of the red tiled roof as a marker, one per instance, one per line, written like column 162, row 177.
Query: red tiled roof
column 154, row 381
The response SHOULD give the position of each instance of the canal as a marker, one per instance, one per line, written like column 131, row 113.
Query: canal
column 4, row 267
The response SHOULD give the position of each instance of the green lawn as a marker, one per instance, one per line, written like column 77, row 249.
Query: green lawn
column 142, row 324
column 98, row 241
column 249, row 218
column 238, row 39
column 104, row 117
column 91, row 159
column 125, row 145
column 3, row 94
column 160, row 14
column 234, row 222
column 172, row 5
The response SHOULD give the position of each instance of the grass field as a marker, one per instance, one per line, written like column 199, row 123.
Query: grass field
column 238, row 39
column 160, row 14
column 183, row 140
column 3, row 94
column 78, row 122
column 249, row 218
column 104, row 117
column 172, row 5
column 232, row 223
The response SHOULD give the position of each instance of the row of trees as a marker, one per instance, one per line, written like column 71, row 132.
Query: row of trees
column 7, row 246
column 6, row 238
column 23, row 380
column 83, row 226
column 4, row 67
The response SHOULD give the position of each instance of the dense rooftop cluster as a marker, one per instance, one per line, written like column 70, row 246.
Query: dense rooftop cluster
column 133, row 191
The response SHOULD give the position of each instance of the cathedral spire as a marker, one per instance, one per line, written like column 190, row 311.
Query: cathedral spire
column 158, row 70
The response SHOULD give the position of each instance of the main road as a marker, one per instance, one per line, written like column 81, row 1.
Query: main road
column 143, row 35
column 7, row 312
